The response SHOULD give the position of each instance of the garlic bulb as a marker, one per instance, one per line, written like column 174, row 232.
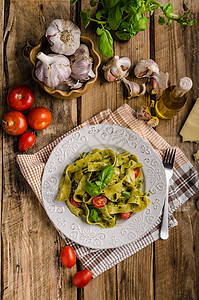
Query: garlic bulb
column 118, row 67
column 145, row 68
column 81, row 52
column 52, row 69
column 143, row 113
column 73, row 84
column 133, row 88
column 63, row 36
column 82, row 69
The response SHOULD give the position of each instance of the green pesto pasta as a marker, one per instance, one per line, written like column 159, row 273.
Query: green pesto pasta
column 103, row 187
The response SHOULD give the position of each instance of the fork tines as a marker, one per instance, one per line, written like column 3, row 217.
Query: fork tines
column 168, row 159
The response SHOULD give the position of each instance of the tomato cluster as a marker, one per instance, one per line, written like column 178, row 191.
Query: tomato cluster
column 68, row 259
column 21, row 98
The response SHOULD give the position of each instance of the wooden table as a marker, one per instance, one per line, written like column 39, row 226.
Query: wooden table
column 30, row 246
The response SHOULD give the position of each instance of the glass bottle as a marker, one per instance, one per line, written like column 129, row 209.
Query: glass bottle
column 172, row 99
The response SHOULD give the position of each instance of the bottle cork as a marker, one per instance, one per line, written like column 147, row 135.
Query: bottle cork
column 183, row 86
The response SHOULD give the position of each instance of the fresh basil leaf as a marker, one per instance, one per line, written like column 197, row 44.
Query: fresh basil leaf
column 93, row 216
column 169, row 22
column 98, row 183
column 168, row 8
column 124, row 25
column 126, row 194
column 141, row 26
column 111, row 3
column 105, row 44
column 98, row 15
column 106, row 174
column 85, row 16
column 122, row 35
column 115, row 17
column 161, row 20
column 93, row 3
column 103, row 185
column 99, row 31
column 92, row 189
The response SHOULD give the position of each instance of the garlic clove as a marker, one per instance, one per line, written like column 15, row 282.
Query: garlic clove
column 63, row 36
column 73, row 84
column 118, row 67
column 145, row 68
column 143, row 113
column 82, row 69
column 152, row 86
column 108, row 76
column 153, row 122
column 162, row 79
column 52, row 69
column 133, row 88
column 81, row 52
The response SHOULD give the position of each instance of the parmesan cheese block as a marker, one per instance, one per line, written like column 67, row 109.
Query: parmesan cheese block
column 196, row 155
column 190, row 130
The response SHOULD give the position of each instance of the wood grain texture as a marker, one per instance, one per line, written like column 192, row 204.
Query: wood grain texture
column 30, row 246
column 176, row 260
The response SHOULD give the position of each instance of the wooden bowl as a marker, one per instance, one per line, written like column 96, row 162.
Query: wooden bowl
column 45, row 47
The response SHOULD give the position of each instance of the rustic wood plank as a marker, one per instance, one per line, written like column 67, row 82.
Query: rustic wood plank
column 139, row 265
column 31, row 246
column 1, row 92
column 176, row 260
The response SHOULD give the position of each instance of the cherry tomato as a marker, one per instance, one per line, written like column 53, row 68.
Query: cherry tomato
column 126, row 216
column 39, row 118
column 136, row 173
column 68, row 257
column 26, row 141
column 20, row 98
column 74, row 203
column 14, row 123
column 82, row 278
column 99, row 201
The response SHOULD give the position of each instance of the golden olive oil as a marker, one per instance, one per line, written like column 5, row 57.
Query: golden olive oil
column 172, row 99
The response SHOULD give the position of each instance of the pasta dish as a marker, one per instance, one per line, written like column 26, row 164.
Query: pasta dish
column 103, row 187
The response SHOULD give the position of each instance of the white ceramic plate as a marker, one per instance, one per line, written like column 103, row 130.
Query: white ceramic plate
column 120, row 140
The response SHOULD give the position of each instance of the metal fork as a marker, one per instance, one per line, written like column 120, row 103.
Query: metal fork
column 168, row 162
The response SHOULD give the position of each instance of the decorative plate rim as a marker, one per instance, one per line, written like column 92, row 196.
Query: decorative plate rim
column 119, row 139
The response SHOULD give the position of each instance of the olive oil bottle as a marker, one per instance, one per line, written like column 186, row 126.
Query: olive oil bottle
column 172, row 99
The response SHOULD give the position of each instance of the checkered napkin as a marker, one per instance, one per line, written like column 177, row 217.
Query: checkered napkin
column 183, row 185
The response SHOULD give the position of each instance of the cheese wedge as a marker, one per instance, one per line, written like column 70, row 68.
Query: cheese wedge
column 196, row 155
column 190, row 130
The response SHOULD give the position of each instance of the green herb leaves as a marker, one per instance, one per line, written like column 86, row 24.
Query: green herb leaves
column 94, row 188
column 105, row 43
column 93, row 216
column 126, row 18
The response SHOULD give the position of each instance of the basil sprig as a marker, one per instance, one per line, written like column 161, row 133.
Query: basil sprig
column 126, row 18
column 94, row 188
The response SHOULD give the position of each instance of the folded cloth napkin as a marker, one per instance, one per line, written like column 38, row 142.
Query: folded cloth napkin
column 183, row 185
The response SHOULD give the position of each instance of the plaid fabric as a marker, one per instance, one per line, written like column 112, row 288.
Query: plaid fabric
column 183, row 185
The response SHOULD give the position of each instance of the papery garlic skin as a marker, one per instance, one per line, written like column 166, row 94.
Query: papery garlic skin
column 118, row 67
column 82, row 69
column 152, row 86
column 63, row 36
column 133, row 88
column 73, row 84
column 145, row 68
column 52, row 69
column 81, row 52
column 143, row 113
